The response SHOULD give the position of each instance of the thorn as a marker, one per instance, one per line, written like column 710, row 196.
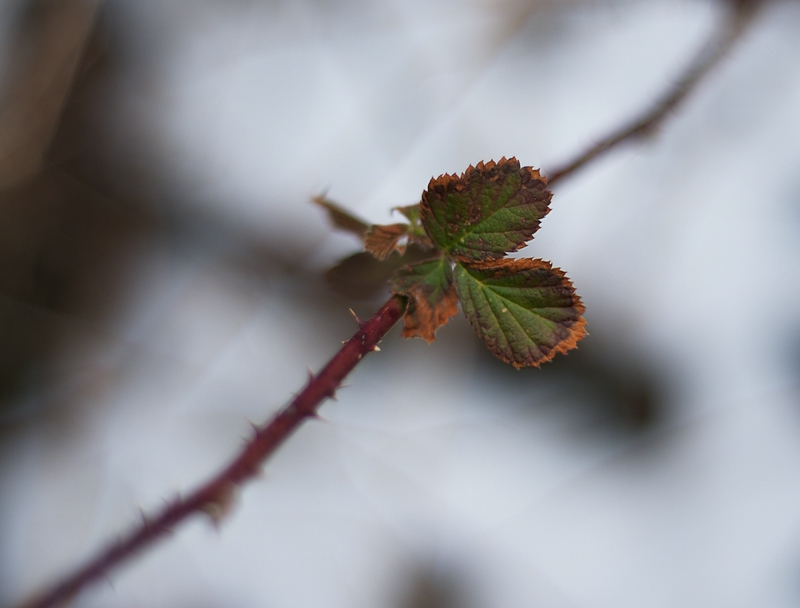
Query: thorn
column 376, row 349
column 220, row 506
column 332, row 396
column 344, row 385
column 310, row 375
column 253, row 425
column 345, row 341
column 355, row 316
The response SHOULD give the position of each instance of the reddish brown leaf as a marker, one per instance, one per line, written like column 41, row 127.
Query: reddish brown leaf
column 341, row 218
column 383, row 240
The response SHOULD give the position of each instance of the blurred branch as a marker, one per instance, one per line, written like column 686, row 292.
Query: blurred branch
column 48, row 52
column 712, row 52
column 215, row 497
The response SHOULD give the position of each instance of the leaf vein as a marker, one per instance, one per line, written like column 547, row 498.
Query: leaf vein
column 501, row 333
column 508, row 305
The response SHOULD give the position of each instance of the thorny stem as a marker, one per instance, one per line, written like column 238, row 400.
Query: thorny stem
column 712, row 52
column 215, row 496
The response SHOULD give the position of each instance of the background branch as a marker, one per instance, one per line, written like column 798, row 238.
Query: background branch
column 712, row 52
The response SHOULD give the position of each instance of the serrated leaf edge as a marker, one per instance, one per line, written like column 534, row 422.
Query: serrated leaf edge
column 446, row 179
column 577, row 330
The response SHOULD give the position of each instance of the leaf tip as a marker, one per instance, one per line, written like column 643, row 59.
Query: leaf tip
column 340, row 217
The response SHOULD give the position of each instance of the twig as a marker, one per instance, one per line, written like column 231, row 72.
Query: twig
column 214, row 498
column 712, row 52
column 46, row 58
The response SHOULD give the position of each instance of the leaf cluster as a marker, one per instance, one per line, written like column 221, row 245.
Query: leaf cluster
column 454, row 247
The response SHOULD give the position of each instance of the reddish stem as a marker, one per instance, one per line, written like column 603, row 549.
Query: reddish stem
column 215, row 496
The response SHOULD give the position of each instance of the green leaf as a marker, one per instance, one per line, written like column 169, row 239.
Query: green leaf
column 410, row 212
column 416, row 232
column 489, row 210
column 525, row 310
column 432, row 299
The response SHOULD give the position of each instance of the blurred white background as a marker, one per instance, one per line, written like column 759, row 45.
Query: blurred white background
column 658, row 465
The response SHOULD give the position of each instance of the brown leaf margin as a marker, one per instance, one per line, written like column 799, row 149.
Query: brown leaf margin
column 422, row 321
column 577, row 329
column 427, row 310
column 489, row 171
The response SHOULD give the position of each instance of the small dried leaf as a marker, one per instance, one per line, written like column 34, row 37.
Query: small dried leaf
column 383, row 240
column 361, row 276
column 341, row 218
column 525, row 310
column 222, row 504
column 489, row 210
column 432, row 299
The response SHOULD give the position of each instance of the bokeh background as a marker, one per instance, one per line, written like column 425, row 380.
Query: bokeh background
column 161, row 283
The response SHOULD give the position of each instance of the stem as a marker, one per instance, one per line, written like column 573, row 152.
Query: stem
column 214, row 498
column 714, row 50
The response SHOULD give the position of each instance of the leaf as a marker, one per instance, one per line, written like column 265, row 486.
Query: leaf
column 489, row 210
column 382, row 240
column 361, row 276
column 432, row 297
column 416, row 231
column 410, row 212
column 341, row 218
column 525, row 310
